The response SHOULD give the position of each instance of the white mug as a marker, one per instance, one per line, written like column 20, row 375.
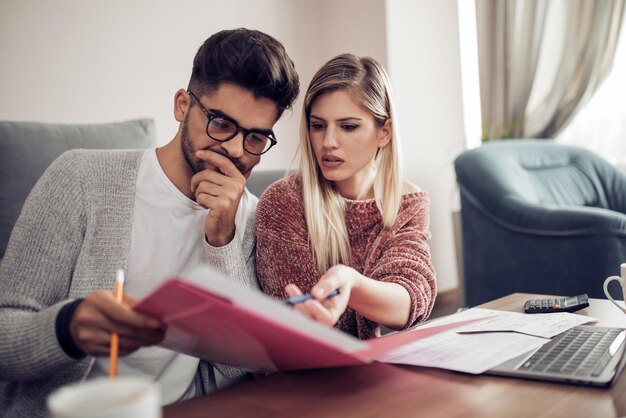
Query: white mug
column 622, row 281
column 105, row 398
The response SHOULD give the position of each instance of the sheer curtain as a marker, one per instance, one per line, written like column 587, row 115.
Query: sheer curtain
column 601, row 125
column 540, row 61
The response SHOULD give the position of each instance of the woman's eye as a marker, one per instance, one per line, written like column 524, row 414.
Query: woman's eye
column 349, row 128
column 317, row 126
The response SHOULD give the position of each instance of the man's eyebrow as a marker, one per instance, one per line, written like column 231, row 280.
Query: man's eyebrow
column 230, row 118
column 223, row 115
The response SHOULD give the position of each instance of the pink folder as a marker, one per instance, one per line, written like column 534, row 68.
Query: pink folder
column 222, row 322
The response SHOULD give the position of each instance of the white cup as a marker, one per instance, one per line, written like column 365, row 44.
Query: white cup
column 622, row 281
column 129, row 397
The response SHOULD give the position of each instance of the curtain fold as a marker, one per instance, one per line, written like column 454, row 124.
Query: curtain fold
column 581, row 36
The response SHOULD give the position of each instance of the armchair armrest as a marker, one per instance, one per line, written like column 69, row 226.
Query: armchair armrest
column 519, row 215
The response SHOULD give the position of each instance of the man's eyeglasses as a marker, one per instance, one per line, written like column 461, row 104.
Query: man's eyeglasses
column 222, row 129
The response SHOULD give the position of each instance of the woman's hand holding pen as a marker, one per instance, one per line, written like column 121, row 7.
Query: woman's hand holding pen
column 99, row 316
column 322, row 308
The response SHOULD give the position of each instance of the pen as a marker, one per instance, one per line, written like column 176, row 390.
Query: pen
column 303, row 298
column 115, row 339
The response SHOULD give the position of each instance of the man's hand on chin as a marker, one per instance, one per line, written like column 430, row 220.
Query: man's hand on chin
column 219, row 191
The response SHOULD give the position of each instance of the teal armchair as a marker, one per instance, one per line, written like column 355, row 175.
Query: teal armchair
column 539, row 217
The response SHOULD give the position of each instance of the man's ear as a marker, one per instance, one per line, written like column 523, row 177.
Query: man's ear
column 181, row 105
column 385, row 134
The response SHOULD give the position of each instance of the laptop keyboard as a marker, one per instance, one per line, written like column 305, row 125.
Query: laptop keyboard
column 579, row 351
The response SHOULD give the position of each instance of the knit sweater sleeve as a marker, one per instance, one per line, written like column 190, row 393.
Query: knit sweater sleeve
column 283, row 254
column 36, row 271
column 401, row 255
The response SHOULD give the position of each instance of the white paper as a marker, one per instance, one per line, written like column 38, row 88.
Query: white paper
column 469, row 314
column 482, row 345
column 545, row 325
column 469, row 353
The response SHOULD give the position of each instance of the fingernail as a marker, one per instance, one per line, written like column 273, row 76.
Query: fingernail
column 319, row 292
column 153, row 323
column 199, row 153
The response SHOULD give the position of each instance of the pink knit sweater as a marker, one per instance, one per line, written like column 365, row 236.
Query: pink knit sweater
column 397, row 255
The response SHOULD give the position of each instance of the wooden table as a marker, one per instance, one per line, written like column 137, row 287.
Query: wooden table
column 381, row 390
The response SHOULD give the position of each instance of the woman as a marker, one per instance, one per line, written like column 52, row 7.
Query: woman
column 347, row 221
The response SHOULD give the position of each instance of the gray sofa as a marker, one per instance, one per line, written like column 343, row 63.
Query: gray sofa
column 539, row 217
column 260, row 179
column 28, row 148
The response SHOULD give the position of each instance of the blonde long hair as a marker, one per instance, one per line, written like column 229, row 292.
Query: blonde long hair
column 324, row 208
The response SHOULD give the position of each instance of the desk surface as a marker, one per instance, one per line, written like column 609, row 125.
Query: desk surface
column 382, row 390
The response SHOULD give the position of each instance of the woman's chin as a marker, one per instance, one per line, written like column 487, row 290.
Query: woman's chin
column 332, row 176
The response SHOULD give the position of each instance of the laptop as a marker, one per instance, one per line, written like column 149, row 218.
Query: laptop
column 583, row 355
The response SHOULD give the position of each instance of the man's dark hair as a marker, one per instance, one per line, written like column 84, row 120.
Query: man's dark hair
column 249, row 58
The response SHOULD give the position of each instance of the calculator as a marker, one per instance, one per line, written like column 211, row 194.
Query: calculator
column 545, row 305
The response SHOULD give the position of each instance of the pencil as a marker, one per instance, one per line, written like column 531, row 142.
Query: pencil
column 115, row 339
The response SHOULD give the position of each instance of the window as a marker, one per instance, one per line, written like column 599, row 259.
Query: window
column 601, row 124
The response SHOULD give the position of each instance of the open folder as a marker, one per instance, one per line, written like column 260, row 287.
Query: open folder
column 210, row 317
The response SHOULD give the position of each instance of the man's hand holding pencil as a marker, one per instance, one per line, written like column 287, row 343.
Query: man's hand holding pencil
column 100, row 316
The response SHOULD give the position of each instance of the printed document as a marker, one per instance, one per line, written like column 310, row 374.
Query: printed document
column 469, row 353
column 482, row 345
column 545, row 325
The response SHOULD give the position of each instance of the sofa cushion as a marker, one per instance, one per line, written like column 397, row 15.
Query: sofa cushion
column 259, row 180
column 28, row 148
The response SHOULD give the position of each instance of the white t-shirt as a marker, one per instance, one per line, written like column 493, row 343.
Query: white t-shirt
column 167, row 239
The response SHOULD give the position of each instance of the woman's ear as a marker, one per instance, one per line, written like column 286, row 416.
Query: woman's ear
column 385, row 134
column 181, row 105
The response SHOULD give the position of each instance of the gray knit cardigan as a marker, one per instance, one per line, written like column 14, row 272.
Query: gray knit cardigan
column 73, row 233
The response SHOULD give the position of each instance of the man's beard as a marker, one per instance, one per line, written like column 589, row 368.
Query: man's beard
column 196, row 164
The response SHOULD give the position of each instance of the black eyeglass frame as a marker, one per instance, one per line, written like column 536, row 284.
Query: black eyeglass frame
column 211, row 116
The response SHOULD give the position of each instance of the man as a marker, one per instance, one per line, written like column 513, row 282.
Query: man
column 154, row 213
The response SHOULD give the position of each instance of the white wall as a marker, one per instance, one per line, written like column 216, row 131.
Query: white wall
column 85, row 61
column 77, row 61
column 354, row 26
column 424, row 63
